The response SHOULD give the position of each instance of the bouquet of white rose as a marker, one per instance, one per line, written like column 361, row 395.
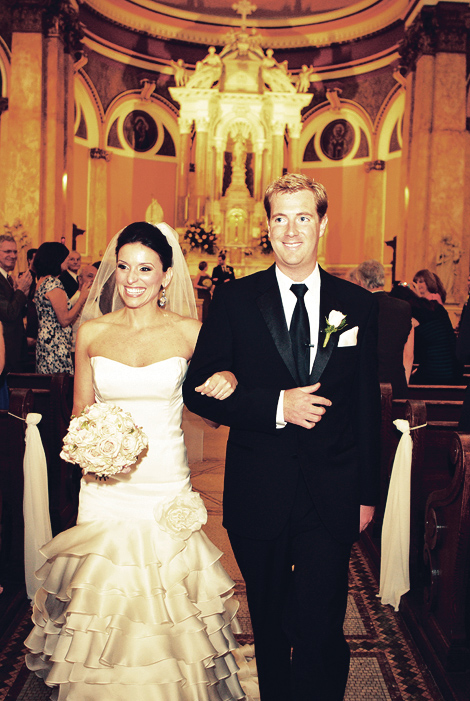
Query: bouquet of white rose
column 104, row 440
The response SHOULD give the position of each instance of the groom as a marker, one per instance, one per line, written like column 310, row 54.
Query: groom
column 301, row 474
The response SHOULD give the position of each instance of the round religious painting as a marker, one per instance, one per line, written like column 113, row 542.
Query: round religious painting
column 337, row 139
column 140, row 130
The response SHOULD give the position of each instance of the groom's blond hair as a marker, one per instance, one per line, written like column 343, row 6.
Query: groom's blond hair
column 295, row 182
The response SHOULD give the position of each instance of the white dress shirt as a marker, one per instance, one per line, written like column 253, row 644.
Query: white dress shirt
column 312, row 304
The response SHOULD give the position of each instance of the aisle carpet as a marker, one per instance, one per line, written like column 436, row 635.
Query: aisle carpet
column 385, row 665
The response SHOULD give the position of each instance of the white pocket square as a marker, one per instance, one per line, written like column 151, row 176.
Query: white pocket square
column 348, row 338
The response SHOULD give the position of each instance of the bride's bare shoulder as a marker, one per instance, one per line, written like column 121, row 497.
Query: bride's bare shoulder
column 96, row 326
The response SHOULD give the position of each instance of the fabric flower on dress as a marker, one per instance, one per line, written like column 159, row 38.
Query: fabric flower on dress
column 335, row 322
column 181, row 516
column 104, row 440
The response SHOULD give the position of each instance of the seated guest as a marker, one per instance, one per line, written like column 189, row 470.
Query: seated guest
column 222, row 272
column 434, row 348
column 396, row 334
column 69, row 276
column 55, row 313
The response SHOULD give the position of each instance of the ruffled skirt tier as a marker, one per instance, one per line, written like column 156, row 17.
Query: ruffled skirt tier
column 128, row 612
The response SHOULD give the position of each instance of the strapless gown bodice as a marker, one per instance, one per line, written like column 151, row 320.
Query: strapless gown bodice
column 152, row 395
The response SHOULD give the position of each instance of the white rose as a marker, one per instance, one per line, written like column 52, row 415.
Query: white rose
column 181, row 516
column 335, row 318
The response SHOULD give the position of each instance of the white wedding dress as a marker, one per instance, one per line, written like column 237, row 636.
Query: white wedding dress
column 129, row 609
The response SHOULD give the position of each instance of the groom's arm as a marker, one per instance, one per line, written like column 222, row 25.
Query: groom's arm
column 249, row 407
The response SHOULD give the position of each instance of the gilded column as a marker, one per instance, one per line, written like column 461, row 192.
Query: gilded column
column 202, row 128
column 23, row 153
column 258, row 172
column 293, row 152
column 183, row 171
column 278, row 130
column 43, row 32
column 97, row 225
column 436, row 222
column 374, row 210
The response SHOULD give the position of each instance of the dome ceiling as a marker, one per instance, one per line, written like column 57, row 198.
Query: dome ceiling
column 281, row 24
column 264, row 8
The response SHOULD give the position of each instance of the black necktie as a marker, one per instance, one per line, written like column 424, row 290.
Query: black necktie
column 10, row 280
column 300, row 334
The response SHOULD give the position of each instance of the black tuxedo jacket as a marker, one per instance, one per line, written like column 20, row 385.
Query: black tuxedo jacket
column 12, row 308
column 219, row 276
column 69, row 283
column 246, row 333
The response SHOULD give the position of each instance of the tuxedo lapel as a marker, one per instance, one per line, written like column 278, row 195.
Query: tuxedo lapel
column 270, row 305
column 328, row 302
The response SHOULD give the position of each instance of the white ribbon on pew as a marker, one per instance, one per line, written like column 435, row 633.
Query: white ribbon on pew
column 395, row 550
column 37, row 523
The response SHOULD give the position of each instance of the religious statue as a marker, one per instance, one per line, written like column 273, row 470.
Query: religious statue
column 239, row 153
column 179, row 71
column 304, row 78
column 446, row 263
column 275, row 74
column 208, row 71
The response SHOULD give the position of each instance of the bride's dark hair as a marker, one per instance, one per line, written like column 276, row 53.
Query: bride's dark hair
column 151, row 237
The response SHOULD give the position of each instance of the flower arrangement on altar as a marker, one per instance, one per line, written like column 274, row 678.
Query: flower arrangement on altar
column 103, row 439
column 199, row 237
column 265, row 244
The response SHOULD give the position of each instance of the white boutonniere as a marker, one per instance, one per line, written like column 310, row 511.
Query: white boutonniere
column 335, row 322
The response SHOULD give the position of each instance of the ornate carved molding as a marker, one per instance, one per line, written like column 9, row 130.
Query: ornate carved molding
column 374, row 165
column 62, row 18
column 51, row 18
column 100, row 154
column 441, row 28
column 27, row 16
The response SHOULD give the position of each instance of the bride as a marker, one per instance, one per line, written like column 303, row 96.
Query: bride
column 130, row 607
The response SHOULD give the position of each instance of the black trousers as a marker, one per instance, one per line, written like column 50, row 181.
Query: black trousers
column 297, row 586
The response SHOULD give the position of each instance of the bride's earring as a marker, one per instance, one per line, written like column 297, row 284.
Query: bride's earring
column 163, row 299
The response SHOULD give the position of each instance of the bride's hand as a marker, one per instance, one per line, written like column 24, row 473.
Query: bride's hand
column 220, row 385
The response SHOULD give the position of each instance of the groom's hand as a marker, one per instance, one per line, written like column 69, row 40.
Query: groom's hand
column 303, row 407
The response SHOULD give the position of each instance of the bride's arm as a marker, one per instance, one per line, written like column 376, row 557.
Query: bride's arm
column 220, row 385
column 83, row 394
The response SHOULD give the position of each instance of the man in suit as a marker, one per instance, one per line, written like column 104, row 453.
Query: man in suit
column 222, row 272
column 69, row 277
column 13, row 299
column 396, row 334
column 301, row 474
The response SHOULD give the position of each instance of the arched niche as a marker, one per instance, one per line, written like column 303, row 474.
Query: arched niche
column 137, row 128
column 332, row 138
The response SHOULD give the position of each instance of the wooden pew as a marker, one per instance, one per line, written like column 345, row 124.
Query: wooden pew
column 12, row 442
column 437, row 607
column 442, row 392
column 414, row 412
column 445, row 611
column 53, row 395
